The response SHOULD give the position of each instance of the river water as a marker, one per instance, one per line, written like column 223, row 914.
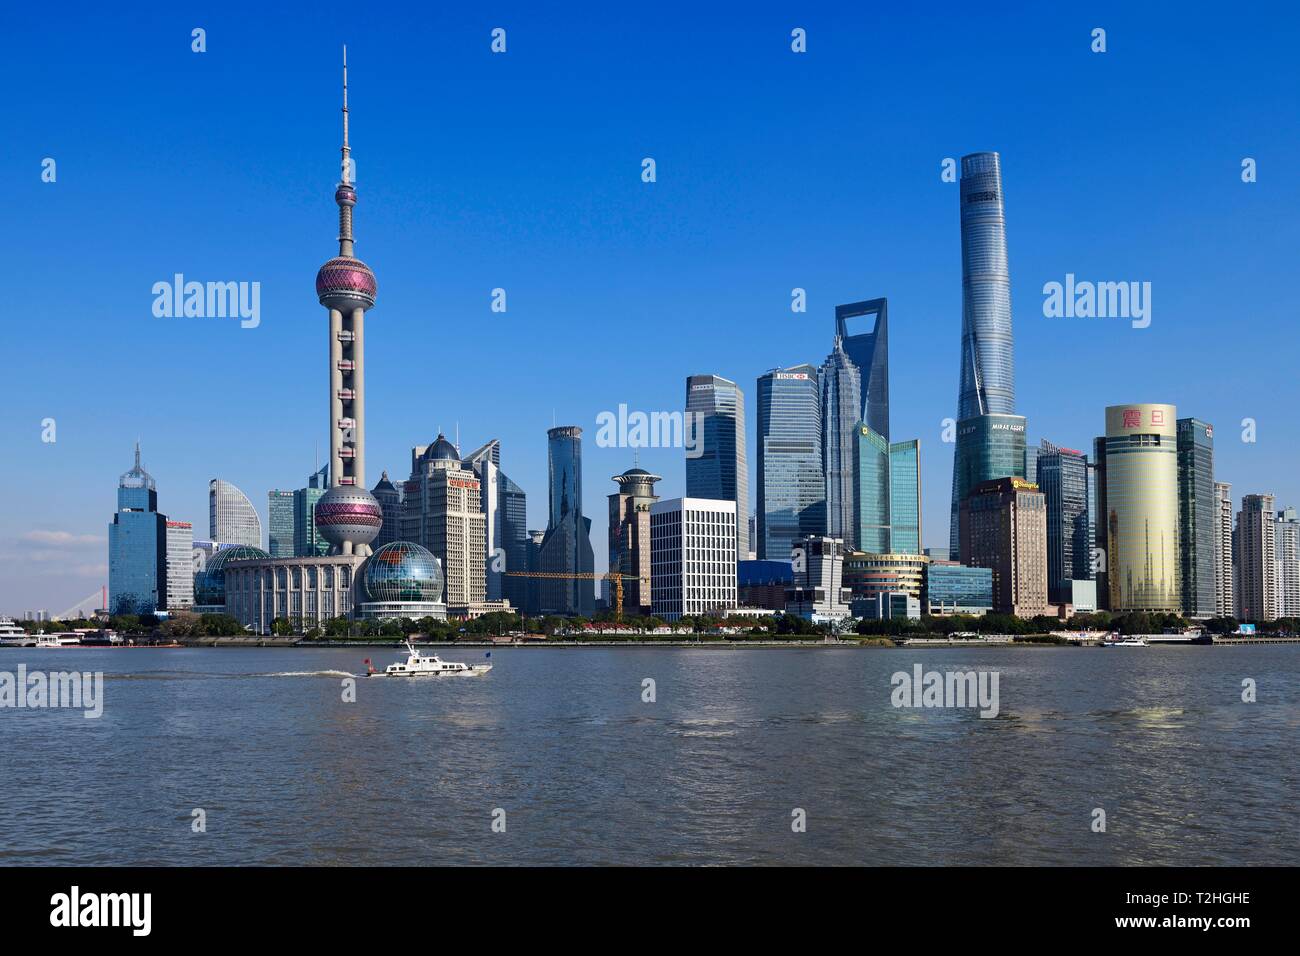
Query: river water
column 759, row 756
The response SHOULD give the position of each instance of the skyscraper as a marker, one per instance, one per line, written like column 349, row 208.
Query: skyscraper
column 137, row 546
column 1141, row 500
column 1063, row 479
column 1196, row 504
column 1225, row 599
column 1004, row 527
column 841, row 410
column 1257, row 559
column 390, row 502
column 279, row 521
column 1286, row 560
column 513, row 505
column 232, row 519
column 869, row 352
column 629, row 535
column 990, row 436
column 180, row 564
column 485, row 462
column 442, row 511
column 693, row 557
column 566, row 547
column 307, row 538
column 347, row 515
column 886, row 494
column 791, row 487
column 721, row 470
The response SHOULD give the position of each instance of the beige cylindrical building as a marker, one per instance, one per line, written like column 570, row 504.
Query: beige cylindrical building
column 1141, row 508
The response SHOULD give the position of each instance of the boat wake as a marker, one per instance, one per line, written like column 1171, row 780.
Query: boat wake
column 307, row 674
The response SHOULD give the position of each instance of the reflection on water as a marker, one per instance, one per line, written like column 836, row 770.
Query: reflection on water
column 289, row 773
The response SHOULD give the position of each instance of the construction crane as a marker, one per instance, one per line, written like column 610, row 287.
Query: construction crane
column 616, row 578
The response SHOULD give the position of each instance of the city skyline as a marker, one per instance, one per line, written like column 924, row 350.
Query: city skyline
column 185, row 439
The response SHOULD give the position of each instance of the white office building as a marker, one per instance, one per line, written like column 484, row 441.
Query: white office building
column 692, row 557
column 180, row 565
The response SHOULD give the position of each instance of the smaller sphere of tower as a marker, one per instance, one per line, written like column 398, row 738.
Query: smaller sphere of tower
column 345, row 514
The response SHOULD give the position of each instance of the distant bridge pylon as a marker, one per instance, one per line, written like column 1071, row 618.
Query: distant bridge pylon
column 94, row 596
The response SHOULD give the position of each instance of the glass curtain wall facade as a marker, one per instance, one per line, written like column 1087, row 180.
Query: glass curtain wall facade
column 137, row 546
column 887, row 494
column 280, row 513
column 987, row 385
column 721, row 471
column 566, row 547
column 869, row 351
column 1196, row 513
column 988, row 447
column 791, row 487
column 1063, row 479
column 232, row 519
column 840, row 384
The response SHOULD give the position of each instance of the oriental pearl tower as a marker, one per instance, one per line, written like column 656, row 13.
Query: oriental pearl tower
column 347, row 516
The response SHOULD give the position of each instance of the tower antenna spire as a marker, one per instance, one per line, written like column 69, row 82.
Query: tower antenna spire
column 347, row 172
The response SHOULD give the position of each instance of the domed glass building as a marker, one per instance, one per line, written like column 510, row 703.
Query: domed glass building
column 400, row 580
column 210, row 583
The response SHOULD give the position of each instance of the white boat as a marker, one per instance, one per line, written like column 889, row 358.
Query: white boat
column 11, row 635
column 430, row 665
column 1130, row 642
column 57, row 640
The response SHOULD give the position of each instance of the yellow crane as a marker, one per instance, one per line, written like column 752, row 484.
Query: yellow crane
column 615, row 577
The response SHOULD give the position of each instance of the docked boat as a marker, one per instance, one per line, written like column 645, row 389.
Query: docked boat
column 1129, row 642
column 57, row 640
column 427, row 665
column 11, row 635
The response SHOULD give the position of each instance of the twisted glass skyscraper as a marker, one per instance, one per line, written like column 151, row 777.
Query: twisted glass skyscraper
column 988, row 386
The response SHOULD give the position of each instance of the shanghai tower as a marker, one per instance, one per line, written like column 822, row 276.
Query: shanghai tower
column 990, row 435
column 348, row 516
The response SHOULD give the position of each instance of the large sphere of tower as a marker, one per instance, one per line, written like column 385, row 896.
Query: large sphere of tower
column 347, row 284
column 348, row 515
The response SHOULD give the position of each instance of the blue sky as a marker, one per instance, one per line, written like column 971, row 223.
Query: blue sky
column 775, row 170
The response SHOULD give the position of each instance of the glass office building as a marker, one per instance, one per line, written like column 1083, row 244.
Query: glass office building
column 841, row 411
column 232, row 519
column 987, row 386
column 566, row 546
column 137, row 546
column 791, row 487
column 1140, row 495
column 867, row 345
column 952, row 588
column 887, row 494
column 988, row 447
column 1063, row 479
column 389, row 497
column 1196, row 516
column 721, row 470
column 280, row 512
